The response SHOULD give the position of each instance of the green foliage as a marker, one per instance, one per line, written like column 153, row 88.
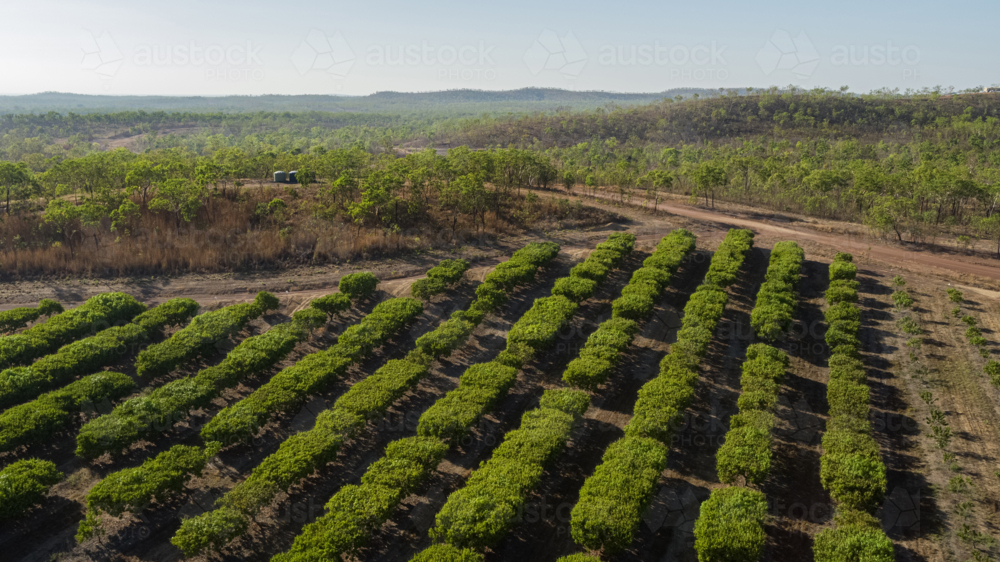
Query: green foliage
column 902, row 299
column 908, row 325
column 537, row 328
column 856, row 536
column 143, row 417
column 332, row 304
column 591, row 269
column 289, row 388
column 480, row 386
column 41, row 419
column 23, row 484
column 955, row 296
column 842, row 291
column 843, row 270
column 518, row 270
column 133, row 489
column 447, row 553
column 358, row 286
column 201, row 336
column 447, row 337
column 97, row 312
column 746, row 451
column 85, row 356
column 479, row 514
column 992, row 369
column 614, row 497
column 730, row 527
column 728, row 259
column 17, row 318
column 576, row 289
column 448, row 272
column 355, row 512
column 773, row 313
column 209, row 531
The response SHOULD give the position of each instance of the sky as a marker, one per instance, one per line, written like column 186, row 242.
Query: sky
column 225, row 47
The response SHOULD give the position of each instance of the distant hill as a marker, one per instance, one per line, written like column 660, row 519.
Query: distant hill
column 455, row 102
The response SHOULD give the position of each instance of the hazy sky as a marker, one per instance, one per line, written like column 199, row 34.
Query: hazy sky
column 186, row 47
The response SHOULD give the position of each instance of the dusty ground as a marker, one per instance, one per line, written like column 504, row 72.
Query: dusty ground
column 918, row 477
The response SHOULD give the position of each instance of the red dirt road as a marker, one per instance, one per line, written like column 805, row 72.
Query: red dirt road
column 921, row 261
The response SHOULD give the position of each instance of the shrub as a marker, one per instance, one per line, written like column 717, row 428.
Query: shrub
column 747, row 453
column 358, row 286
column 155, row 413
column 992, row 369
column 590, row 269
column 209, row 531
column 332, row 304
column 41, row 419
column 480, row 386
column 730, row 527
column 17, row 318
column 201, row 336
column 855, row 480
column 843, row 270
column 97, row 313
column 636, row 302
column 842, row 291
column 856, row 536
column 290, row 387
column 773, row 313
column 132, row 489
column 902, row 299
column 480, row 513
column 85, row 356
column 424, row 289
column 23, row 484
column 616, row 495
column 614, row 498
column 448, row 272
column 847, row 398
column 955, row 296
column 447, row 337
column 576, row 289
column 354, row 512
column 447, row 553
column 538, row 327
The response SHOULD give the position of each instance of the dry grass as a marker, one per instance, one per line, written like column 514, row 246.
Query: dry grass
column 227, row 234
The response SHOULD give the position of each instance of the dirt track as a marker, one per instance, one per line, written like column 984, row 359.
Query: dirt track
column 917, row 260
